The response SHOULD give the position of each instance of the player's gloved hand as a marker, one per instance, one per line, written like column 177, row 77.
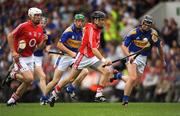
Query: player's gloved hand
column 106, row 62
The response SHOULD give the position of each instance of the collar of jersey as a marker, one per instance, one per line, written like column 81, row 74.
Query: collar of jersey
column 31, row 23
column 94, row 27
column 74, row 29
column 138, row 29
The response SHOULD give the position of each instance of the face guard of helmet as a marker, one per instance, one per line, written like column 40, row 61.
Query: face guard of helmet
column 98, row 18
column 35, row 15
column 43, row 22
column 79, row 20
column 147, row 22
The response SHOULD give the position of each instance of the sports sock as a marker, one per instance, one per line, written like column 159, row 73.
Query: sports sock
column 99, row 91
column 125, row 98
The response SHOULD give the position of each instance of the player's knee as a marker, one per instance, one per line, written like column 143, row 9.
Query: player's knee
column 43, row 78
column 29, row 79
column 134, row 79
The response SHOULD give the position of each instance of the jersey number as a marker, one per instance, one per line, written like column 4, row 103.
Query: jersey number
column 32, row 42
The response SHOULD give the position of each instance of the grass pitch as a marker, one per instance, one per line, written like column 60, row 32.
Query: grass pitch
column 92, row 109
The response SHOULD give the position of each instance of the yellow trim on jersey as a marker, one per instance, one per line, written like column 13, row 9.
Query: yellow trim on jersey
column 133, row 32
column 154, row 32
column 73, row 43
column 68, row 30
column 154, row 35
column 140, row 43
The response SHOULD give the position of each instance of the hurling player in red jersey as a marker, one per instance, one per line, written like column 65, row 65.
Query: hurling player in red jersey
column 88, row 56
column 22, row 42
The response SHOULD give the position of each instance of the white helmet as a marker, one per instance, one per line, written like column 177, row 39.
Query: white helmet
column 32, row 11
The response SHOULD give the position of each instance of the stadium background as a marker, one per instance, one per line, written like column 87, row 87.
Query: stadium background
column 157, row 84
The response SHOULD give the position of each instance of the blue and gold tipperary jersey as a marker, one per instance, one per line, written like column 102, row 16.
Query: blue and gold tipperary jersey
column 71, row 38
column 137, row 39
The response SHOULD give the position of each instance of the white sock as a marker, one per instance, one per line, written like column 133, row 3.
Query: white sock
column 55, row 94
column 99, row 92
column 11, row 100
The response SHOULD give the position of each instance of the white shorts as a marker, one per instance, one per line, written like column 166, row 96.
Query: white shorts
column 140, row 61
column 38, row 60
column 63, row 62
column 25, row 64
column 82, row 61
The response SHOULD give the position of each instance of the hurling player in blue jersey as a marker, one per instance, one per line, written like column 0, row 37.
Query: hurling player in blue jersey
column 69, row 43
column 38, row 70
column 136, row 40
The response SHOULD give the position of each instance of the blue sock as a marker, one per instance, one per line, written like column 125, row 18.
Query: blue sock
column 118, row 75
column 125, row 98
column 44, row 97
column 70, row 88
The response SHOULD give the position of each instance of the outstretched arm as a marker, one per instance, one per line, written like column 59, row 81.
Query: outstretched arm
column 64, row 49
column 161, row 54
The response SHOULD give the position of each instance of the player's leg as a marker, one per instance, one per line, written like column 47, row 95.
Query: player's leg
column 106, row 74
column 133, row 76
column 42, row 78
column 22, row 88
column 61, row 65
column 57, row 75
column 125, row 78
column 94, row 63
column 15, row 74
column 135, row 71
column 73, row 73
column 70, row 89
column 16, row 95
column 99, row 97
column 38, row 72
column 26, row 68
column 80, row 77
column 116, row 75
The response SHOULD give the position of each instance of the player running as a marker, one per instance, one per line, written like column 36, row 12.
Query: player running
column 22, row 42
column 88, row 56
column 136, row 40
column 38, row 59
column 69, row 43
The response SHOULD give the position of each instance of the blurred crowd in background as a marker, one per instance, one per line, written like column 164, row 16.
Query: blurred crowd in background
column 157, row 84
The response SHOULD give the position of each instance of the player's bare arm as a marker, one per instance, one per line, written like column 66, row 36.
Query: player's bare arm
column 155, row 37
column 47, row 48
column 127, row 53
column 10, row 39
column 61, row 47
column 161, row 55
column 97, row 53
column 42, row 45
column 99, row 56
column 125, row 50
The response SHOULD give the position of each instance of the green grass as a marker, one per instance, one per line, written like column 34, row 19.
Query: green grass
column 92, row 109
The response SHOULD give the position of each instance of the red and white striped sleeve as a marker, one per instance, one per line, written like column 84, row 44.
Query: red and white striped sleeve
column 92, row 39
